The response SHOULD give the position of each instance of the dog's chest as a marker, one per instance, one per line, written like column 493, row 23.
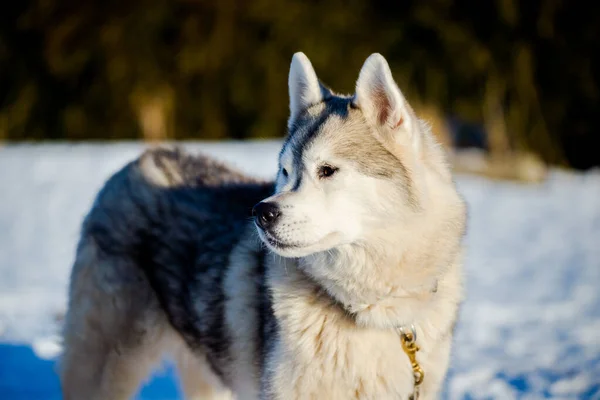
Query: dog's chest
column 326, row 360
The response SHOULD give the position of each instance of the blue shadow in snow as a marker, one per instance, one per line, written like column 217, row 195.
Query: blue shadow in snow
column 24, row 376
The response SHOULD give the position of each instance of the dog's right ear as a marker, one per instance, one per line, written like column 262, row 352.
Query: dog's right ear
column 305, row 89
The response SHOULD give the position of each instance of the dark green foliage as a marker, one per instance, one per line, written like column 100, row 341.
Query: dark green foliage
column 75, row 69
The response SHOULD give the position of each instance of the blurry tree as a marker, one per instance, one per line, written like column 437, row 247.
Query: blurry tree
column 179, row 69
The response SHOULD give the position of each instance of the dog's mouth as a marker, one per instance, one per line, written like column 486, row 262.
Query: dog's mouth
column 274, row 242
column 280, row 245
column 296, row 249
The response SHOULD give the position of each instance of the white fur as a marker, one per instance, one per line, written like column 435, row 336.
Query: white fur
column 323, row 354
column 240, row 291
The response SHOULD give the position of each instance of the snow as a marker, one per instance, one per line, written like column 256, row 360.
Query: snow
column 529, row 328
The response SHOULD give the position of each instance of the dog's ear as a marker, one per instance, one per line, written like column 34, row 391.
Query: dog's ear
column 382, row 102
column 304, row 86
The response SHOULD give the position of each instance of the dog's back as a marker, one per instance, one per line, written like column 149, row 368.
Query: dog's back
column 153, row 251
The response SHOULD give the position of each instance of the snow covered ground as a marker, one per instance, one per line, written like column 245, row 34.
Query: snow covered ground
column 530, row 327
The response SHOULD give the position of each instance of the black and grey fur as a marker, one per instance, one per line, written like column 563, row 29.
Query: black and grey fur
column 359, row 235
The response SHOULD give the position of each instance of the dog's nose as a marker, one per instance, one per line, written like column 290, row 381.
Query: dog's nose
column 266, row 214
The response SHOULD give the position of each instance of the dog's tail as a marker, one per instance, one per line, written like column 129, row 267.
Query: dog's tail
column 163, row 166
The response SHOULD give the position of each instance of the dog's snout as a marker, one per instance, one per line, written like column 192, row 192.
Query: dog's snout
column 266, row 214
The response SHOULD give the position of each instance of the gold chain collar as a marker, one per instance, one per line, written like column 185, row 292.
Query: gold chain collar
column 409, row 345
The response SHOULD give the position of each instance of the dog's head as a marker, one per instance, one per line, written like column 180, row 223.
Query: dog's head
column 350, row 166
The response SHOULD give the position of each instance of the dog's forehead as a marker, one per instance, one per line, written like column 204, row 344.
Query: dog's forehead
column 319, row 120
column 323, row 145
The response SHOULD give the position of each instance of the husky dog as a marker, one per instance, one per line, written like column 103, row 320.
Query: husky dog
column 302, row 288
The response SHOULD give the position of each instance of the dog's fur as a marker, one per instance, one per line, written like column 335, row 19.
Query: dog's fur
column 367, row 239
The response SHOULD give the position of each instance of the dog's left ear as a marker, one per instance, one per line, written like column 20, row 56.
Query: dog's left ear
column 382, row 102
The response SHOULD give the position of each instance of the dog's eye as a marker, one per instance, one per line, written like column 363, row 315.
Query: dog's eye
column 326, row 171
column 284, row 172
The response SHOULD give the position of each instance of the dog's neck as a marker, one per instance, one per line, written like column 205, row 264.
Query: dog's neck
column 380, row 289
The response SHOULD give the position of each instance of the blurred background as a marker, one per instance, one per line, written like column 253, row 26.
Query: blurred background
column 506, row 76
column 511, row 88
